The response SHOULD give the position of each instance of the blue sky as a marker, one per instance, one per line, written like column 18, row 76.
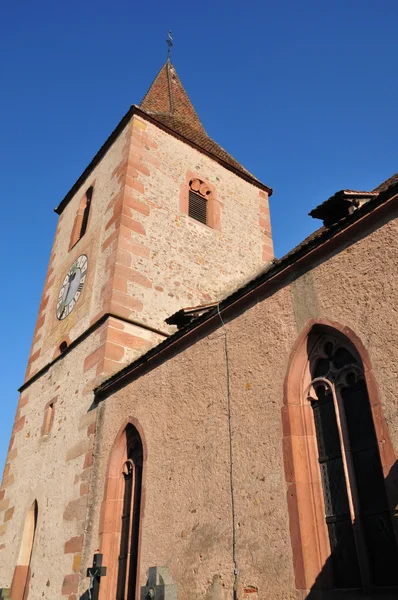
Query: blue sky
column 303, row 94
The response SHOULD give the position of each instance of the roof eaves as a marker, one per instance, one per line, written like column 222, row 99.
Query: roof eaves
column 241, row 173
column 338, row 196
column 93, row 163
column 134, row 109
column 272, row 271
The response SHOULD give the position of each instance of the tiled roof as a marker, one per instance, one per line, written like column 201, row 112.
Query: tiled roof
column 167, row 102
column 387, row 183
column 167, row 98
column 272, row 274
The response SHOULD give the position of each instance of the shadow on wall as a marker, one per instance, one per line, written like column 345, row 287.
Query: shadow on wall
column 369, row 569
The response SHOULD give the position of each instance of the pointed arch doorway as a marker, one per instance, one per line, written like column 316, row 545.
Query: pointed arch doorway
column 121, row 517
column 21, row 578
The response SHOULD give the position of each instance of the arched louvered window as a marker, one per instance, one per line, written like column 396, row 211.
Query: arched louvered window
column 199, row 194
column 198, row 200
column 363, row 548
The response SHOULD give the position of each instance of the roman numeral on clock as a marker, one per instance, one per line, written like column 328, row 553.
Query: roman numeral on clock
column 72, row 284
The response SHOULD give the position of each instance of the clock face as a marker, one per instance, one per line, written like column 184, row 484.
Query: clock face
column 72, row 287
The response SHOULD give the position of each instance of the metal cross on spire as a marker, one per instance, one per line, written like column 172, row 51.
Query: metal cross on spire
column 169, row 43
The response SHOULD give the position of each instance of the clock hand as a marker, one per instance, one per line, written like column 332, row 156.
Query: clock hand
column 70, row 279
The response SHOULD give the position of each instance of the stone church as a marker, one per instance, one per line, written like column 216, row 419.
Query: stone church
column 208, row 421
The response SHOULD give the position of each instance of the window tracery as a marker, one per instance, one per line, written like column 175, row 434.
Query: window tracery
column 362, row 544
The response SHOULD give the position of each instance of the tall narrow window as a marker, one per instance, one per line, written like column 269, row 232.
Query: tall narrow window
column 364, row 552
column 130, row 518
column 48, row 419
column 21, row 578
column 86, row 212
column 82, row 217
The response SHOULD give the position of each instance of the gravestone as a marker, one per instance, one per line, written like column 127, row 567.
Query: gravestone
column 160, row 585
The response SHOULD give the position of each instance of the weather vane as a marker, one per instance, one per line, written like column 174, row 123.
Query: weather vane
column 169, row 42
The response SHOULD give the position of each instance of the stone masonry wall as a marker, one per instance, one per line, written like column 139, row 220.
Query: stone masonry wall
column 50, row 332
column 147, row 258
column 52, row 468
column 158, row 258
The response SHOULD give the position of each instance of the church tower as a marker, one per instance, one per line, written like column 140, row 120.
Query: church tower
column 161, row 219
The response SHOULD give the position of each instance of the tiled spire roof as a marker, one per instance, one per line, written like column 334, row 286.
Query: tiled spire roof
column 167, row 102
column 386, row 184
column 167, row 98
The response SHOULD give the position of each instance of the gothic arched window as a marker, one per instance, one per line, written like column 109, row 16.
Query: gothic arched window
column 86, row 212
column 21, row 578
column 130, row 518
column 81, row 219
column 363, row 548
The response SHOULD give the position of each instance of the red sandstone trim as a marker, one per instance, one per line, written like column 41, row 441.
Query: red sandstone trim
column 213, row 204
column 134, row 110
column 308, row 532
column 112, row 506
column 271, row 281
column 64, row 340
column 76, row 509
column 76, row 229
column 95, row 323
column 20, row 582
column 70, row 584
column 48, row 416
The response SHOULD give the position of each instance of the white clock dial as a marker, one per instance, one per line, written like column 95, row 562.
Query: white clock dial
column 72, row 287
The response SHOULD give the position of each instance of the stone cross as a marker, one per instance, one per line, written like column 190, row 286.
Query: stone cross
column 160, row 585
column 95, row 573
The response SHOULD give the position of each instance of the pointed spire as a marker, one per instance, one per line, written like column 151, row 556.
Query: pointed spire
column 167, row 98
column 167, row 102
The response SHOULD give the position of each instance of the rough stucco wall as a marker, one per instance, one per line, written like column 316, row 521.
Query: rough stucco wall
column 363, row 276
column 181, row 407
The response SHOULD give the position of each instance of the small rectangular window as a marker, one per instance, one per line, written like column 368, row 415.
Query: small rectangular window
column 197, row 208
column 48, row 419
